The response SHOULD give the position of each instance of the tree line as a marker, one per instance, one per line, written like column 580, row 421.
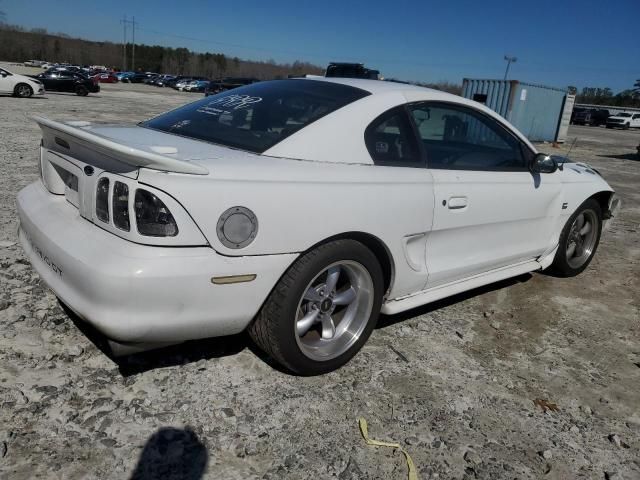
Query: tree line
column 605, row 96
column 18, row 45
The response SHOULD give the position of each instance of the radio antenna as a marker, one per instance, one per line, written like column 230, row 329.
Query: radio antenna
column 568, row 153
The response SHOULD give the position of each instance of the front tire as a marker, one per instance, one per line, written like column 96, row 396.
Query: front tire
column 323, row 309
column 23, row 90
column 82, row 91
column 626, row 126
column 579, row 240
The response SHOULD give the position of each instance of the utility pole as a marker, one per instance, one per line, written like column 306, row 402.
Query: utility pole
column 509, row 60
column 133, row 46
column 124, row 44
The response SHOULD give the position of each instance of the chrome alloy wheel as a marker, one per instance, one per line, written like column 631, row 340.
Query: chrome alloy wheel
column 582, row 238
column 24, row 91
column 334, row 310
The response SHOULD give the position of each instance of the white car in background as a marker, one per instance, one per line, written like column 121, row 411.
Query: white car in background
column 19, row 85
column 624, row 120
column 298, row 209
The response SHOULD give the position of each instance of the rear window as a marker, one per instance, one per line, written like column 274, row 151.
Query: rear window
column 256, row 117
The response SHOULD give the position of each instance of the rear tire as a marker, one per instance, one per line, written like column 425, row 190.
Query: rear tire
column 579, row 240
column 82, row 91
column 323, row 309
column 23, row 90
column 626, row 126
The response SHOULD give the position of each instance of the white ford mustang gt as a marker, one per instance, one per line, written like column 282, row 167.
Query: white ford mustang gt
column 298, row 209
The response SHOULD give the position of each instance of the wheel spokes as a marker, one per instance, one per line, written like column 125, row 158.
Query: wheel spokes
column 579, row 222
column 585, row 229
column 345, row 297
column 304, row 324
column 571, row 250
column 328, row 327
column 332, row 279
column 312, row 295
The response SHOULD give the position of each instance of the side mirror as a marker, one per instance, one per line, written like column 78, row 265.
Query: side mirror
column 543, row 163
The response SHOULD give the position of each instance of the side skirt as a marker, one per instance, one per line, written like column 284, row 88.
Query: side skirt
column 391, row 307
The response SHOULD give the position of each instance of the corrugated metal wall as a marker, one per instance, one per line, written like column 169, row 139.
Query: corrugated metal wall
column 535, row 110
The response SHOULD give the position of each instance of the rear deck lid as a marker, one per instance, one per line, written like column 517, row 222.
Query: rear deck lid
column 120, row 149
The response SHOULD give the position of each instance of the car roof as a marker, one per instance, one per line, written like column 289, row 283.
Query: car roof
column 376, row 86
column 310, row 143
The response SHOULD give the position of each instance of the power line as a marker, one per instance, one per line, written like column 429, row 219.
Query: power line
column 124, row 44
column 133, row 24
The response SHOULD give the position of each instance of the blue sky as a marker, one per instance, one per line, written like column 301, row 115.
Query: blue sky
column 558, row 43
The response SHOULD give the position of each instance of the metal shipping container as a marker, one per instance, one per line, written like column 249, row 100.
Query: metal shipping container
column 535, row 110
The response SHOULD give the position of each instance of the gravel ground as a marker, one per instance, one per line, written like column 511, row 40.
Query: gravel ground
column 454, row 382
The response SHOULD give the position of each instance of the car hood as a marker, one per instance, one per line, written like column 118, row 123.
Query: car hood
column 24, row 78
column 615, row 117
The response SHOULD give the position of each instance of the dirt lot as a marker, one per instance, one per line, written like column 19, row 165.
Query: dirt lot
column 455, row 382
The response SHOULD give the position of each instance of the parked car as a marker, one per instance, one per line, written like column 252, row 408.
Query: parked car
column 162, row 80
column 227, row 83
column 104, row 77
column 65, row 68
column 350, row 70
column 139, row 77
column 180, row 84
column 302, row 209
column 624, row 120
column 124, row 76
column 34, row 63
column 591, row 116
column 196, row 86
column 19, row 85
column 171, row 82
column 68, row 81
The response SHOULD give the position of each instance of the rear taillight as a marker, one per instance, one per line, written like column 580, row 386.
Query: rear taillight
column 121, row 206
column 153, row 218
column 102, row 200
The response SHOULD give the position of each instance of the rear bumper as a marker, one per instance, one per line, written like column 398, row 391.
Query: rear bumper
column 137, row 293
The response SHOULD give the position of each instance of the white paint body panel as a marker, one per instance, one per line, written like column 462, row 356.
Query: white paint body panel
column 316, row 184
column 8, row 83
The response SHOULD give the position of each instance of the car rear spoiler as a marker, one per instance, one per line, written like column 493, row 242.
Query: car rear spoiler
column 126, row 154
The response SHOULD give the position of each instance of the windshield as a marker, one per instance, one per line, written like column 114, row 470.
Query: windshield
column 256, row 117
column 623, row 115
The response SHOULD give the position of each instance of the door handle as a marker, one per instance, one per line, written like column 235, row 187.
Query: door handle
column 456, row 203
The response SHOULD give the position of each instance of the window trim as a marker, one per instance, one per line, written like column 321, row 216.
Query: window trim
column 524, row 148
column 419, row 148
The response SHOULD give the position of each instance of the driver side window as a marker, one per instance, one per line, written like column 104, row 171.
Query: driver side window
column 457, row 138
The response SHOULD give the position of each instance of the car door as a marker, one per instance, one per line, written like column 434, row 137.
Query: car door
column 67, row 81
column 490, row 210
column 49, row 80
column 392, row 144
column 6, row 83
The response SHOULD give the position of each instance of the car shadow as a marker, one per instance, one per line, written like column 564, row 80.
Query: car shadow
column 172, row 453
column 179, row 354
column 388, row 320
column 624, row 156
column 218, row 347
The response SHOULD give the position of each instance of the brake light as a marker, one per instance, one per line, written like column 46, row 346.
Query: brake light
column 121, row 206
column 153, row 218
column 102, row 200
